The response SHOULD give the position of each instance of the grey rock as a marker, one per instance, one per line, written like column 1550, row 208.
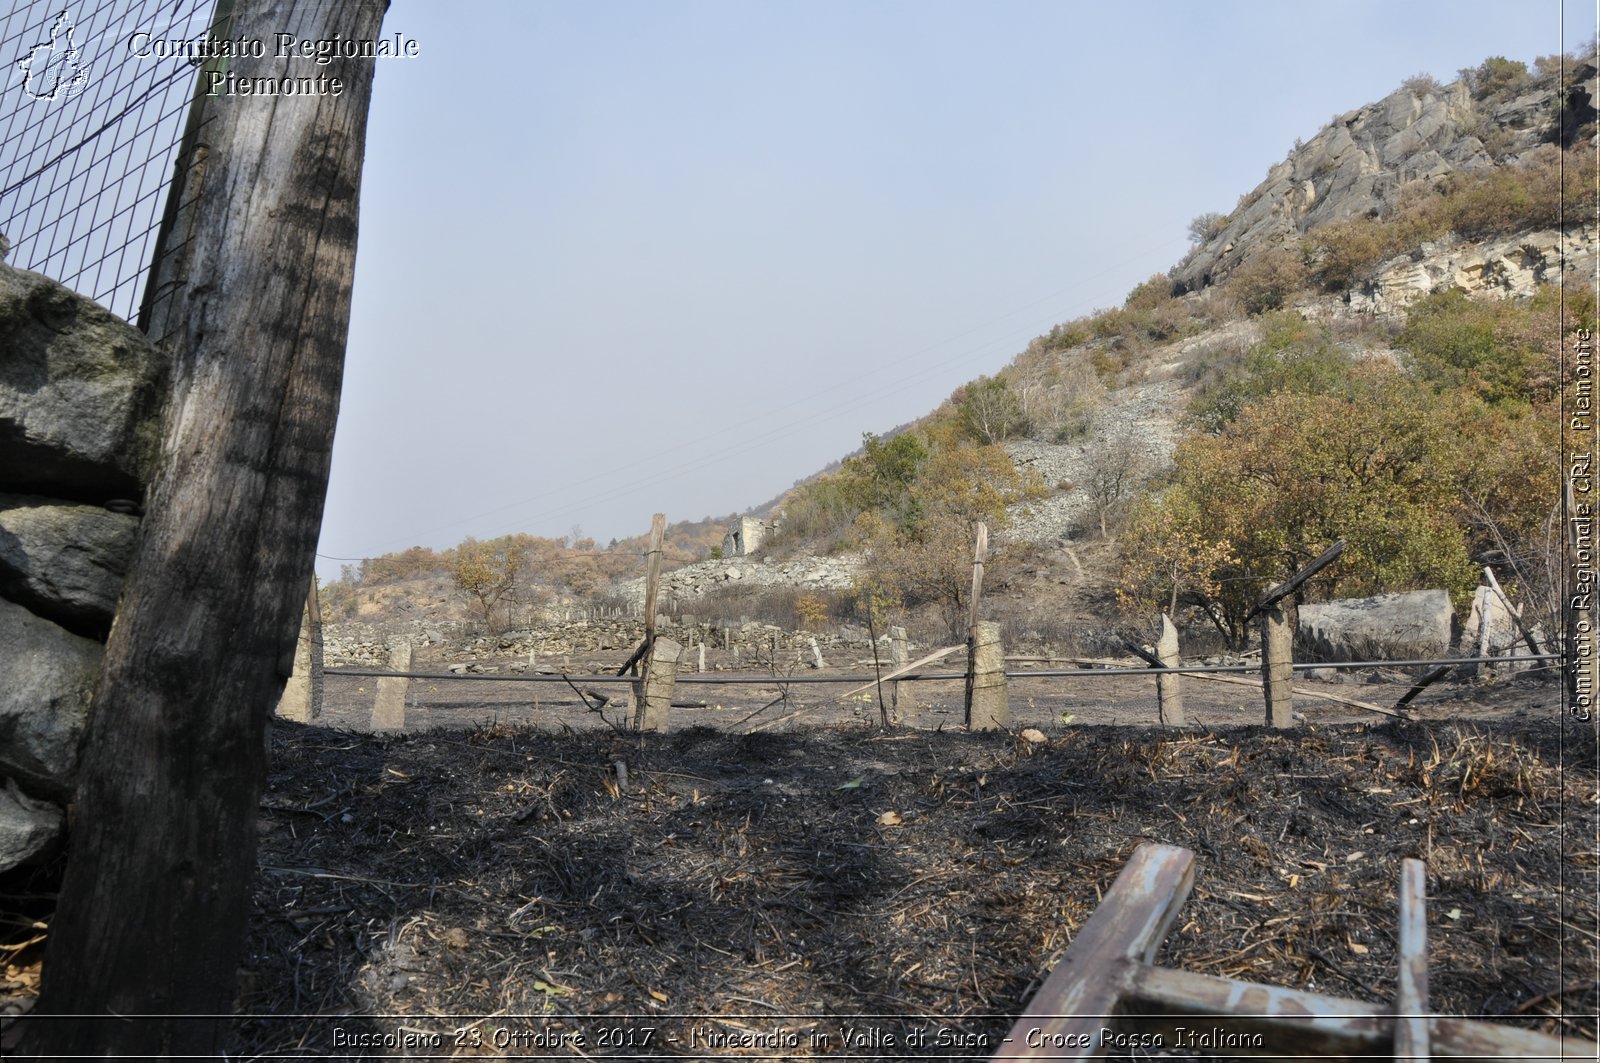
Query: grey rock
column 1390, row 627
column 81, row 393
column 1359, row 162
column 64, row 561
column 29, row 829
column 44, row 702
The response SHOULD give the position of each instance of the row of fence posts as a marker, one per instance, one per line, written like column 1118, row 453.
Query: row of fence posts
column 656, row 661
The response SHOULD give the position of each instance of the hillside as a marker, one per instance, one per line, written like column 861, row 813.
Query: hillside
column 1415, row 249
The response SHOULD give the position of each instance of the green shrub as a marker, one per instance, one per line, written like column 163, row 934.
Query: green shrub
column 1496, row 77
column 1267, row 279
column 1502, row 350
column 1292, row 357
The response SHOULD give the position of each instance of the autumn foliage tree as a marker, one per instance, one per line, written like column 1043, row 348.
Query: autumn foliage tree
column 1378, row 464
column 923, row 556
column 487, row 572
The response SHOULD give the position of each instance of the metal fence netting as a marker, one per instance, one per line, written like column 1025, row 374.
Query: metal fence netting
column 95, row 111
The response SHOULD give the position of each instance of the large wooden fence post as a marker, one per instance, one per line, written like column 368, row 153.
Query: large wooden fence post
column 145, row 944
column 1169, row 693
column 1277, row 665
column 980, row 554
column 655, row 688
column 652, row 578
column 1277, row 638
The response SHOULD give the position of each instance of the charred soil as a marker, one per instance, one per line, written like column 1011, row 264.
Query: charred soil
column 502, row 892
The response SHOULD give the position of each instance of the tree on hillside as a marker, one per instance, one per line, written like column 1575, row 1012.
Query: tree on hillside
column 1204, row 226
column 927, row 560
column 989, row 412
column 1378, row 466
column 488, row 571
column 1115, row 466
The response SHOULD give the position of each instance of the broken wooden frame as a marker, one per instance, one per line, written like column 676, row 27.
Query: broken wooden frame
column 1105, row 989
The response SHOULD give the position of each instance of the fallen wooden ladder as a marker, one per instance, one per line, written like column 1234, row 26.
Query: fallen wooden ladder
column 1106, row 996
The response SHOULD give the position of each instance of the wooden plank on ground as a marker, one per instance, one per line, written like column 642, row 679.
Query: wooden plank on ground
column 898, row 672
column 1411, row 981
column 1066, row 1016
column 1292, row 1022
column 1300, row 692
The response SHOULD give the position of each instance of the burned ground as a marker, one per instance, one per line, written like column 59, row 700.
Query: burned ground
column 496, row 884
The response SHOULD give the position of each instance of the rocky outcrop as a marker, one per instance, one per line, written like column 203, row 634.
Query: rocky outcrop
column 1386, row 627
column 1357, row 164
column 29, row 829
column 81, row 395
column 1509, row 266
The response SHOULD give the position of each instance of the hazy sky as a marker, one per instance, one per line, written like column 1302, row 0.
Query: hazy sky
column 619, row 258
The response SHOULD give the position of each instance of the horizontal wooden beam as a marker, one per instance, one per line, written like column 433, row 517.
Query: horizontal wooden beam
column 1282, row 1021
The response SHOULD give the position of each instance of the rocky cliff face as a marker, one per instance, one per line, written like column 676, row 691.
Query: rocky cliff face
column 1357, row 165
column 1512, row 266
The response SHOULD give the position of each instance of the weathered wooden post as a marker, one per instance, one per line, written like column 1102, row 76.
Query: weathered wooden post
column 252, row 298
column 389, row 706
column 302, row 694
column 655, row 688
column 899, row 646
column 816, row 655
column 1277, row 639
column 1169, row 694
column 980, row 554
column 1277, row 665
column 987, row 707
column 652, row 578
column 1411, row 982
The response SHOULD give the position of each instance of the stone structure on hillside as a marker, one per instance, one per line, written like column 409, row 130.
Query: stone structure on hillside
column 1358, row 164
column 81, row 396
column 746, row 536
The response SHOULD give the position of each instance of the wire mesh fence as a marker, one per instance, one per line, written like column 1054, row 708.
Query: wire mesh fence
column 96, row 100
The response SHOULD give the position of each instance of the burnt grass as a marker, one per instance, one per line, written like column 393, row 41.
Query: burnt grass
column 475, row 890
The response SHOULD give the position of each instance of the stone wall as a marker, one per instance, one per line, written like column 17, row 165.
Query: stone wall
column 81, row 394
column 684, row 585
